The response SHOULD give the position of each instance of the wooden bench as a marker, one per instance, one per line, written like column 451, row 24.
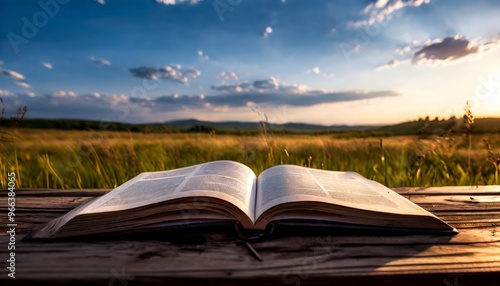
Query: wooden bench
column 470, row 258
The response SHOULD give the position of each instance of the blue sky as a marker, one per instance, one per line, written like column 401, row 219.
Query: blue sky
column 327, row 62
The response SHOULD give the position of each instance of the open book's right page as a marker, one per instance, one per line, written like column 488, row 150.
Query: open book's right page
column 289, row 183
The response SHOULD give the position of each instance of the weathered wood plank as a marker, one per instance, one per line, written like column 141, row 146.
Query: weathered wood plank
column 123, row 278
column 47, row 203
column 312, row 255
column 455, row 199
column 220, row 258
column 450, row 190
column 58, row 193
column 453, row 203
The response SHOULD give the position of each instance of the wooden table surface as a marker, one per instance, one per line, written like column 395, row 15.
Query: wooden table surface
column 471, row 257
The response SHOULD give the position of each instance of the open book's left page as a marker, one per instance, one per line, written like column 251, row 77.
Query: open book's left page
column 226, row 180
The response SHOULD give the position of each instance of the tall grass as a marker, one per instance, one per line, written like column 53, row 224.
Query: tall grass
column 7, row 138
column 495, row 160
column 469, row 121
column 73, row 159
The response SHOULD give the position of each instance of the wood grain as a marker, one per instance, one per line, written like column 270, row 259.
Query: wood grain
column 471, row 257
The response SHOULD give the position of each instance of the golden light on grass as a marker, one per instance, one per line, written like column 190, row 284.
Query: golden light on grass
column 72, row 159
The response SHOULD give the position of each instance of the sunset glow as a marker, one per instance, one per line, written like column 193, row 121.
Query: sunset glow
column 326, row 62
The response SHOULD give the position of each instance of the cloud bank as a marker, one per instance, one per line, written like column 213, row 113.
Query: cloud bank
column 441, row 51
column 168, row 72
column 269, row 92
column 448, row 49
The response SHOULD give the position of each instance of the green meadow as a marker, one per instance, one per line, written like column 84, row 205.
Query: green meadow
column 66, row 159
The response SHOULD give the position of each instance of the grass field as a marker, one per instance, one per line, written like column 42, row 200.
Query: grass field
column 88, row 159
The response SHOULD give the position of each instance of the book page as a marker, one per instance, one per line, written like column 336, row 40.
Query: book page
column 288, row 183
column 227, row 180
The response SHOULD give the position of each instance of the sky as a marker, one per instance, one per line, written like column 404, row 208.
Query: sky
column 322, row 62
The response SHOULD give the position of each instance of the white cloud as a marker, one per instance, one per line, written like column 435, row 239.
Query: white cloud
column 11, row 74
column 22, row 84
column 268, row 31
column 170, row 72
column 382, row 10
column 64, row 93
column 381, row 3
column 317, row 70
column 47, row 65
column 203, row 56
column 103, row 62
column 194, row 73
column 409, row 48
column 102, row 2
column 18, row 78
column 391, row 64
column 270, row 83
column 174, row 2
column 226, row 76
column 4, row 92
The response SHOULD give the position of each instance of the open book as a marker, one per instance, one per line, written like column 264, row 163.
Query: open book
column 227, row 191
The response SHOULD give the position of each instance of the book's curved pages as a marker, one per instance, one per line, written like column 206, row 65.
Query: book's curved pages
column 225, row 191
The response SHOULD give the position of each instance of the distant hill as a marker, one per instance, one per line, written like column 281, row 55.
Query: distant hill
column 481, row 125
column 254, row 126
column 76, row 124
